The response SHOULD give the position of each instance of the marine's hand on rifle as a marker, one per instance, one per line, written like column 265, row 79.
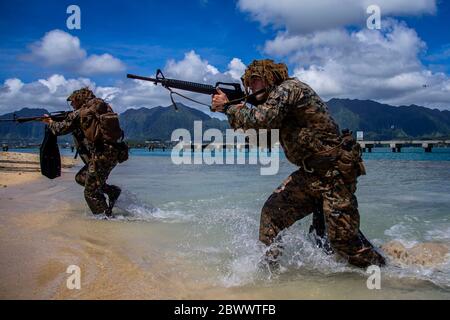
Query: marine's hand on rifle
column 47, row 119
column 218, row 101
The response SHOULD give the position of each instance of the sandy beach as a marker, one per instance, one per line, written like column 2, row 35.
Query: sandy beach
column 18, row 167
column 41, row 236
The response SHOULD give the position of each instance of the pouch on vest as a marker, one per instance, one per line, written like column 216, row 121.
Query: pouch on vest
column 99, row 123
column 350, row 163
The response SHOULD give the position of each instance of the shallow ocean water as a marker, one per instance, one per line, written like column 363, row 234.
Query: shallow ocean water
column 208, row 217
column 403, row 197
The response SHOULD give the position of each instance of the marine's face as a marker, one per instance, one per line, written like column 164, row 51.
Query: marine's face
column 76, row 104
column 257, row 83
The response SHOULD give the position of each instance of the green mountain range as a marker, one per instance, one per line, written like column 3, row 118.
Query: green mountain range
column 383, row 122
column 378, row 121
column 31, row 132
column 160, row 122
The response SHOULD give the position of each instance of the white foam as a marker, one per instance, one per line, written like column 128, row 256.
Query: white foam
column 438, row 274
column 133, row 209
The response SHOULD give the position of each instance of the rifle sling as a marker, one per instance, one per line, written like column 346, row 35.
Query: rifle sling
column 226, row 106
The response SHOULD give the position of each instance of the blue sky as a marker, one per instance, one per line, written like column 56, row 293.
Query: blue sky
column 141, row 36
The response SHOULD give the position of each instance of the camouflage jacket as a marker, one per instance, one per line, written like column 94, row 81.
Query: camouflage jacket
column 305, row 125
column 71, row 124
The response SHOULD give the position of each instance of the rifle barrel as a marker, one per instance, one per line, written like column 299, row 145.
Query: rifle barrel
column 190, row 86
column 55, row 116
column 133, row 76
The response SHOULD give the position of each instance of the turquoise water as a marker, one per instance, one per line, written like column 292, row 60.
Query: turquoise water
column 417, row 154
column 214, row 211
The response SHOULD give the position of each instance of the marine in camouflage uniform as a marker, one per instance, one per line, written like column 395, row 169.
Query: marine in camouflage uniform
column 99, row 159
column 329, row 164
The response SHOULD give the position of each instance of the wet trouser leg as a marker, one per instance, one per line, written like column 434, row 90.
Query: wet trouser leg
column 318, row 223
column 335, row 209
column 291, row 202
column 80, row 177
column 113, row 193
column 318, row 230
column 340, row 208
column 97, row 173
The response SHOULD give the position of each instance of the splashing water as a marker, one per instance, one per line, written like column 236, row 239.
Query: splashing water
column 219, row 207
column 130, row 208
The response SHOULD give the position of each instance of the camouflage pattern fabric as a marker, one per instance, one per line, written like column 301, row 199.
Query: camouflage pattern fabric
column 99, row 161
column 329, row 166
column 94, row 197
column 98, row 170
column 272, row 73
column 304, row 193
column 83, row 94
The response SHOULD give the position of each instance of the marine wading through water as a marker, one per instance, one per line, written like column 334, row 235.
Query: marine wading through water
column 329, row 161
column 99, row 142
column 329, row 164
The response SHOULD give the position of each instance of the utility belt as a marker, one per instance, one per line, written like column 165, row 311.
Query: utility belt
column 345, row 157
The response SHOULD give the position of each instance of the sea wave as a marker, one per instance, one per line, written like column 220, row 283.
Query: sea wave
column 130, row 208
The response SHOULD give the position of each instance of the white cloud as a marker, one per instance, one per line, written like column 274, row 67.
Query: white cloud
column 104, row 63
column 191, row 67
column 48, row 93
column 382, row 65
column 303, row 16
column 366, row 64
column 60, row 49
column 236, row 69
column 53, row 83
column 13, row 86
column 57, row 48
column 51, row 93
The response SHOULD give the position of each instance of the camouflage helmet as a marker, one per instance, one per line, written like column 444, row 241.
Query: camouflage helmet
column 82, row 95
column 272, row 73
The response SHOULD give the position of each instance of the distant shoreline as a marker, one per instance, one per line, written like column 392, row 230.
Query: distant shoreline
column 19, row 167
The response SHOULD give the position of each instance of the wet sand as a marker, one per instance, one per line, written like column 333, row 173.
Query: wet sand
column 18, row 168
column 41, row 236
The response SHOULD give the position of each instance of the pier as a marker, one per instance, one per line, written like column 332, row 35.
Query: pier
column 397, row 145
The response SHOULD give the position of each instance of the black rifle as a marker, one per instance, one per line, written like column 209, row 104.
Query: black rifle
column 235, row 95
column 57, row 116
column 50, row 158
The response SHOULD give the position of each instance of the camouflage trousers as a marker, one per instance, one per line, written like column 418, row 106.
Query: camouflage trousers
column 93, row 178
column 331, row 199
